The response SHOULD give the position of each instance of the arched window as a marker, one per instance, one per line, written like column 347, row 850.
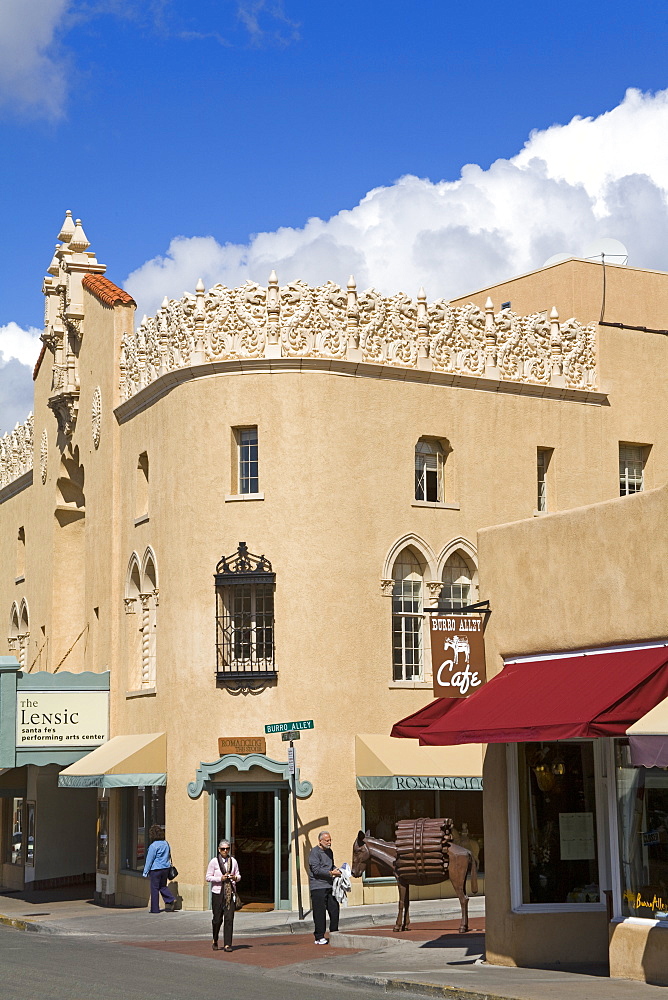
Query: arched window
column 13, row 637
column 407, row 617
column 458, row 583
column 149, row 605
column 133, row 635
column 429, row 462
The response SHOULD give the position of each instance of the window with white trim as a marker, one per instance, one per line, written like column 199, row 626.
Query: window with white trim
column 407, row 617
column 458, row 589
column 429, row 463
column 248, row 478
column 631, row 469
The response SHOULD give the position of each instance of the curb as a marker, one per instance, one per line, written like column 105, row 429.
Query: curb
column 18, row 924
column 387, row 985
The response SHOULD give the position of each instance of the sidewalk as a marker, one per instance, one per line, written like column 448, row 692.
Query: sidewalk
column 44, row 912
column 431, row 960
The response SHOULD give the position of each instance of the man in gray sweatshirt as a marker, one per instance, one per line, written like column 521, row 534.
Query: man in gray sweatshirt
column 322, row 872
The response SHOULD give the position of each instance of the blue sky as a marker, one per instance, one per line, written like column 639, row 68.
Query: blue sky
column 159, row 119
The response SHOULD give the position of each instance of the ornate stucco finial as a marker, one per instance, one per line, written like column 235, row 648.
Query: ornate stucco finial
column 54, row 266
column 422, row 320
column 67, row 228
column 199, row 356
column 79, row 242
column 353, row 315
column 556, row 348
column 273, row 309
column 490, row 339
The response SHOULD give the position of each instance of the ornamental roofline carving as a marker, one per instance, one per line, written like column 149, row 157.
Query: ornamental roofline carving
column 300, row 321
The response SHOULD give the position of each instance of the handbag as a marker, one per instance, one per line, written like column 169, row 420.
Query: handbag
column 237, row 901
column 172, row 871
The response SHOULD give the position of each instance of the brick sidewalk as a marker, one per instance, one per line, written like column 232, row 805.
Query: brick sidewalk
column 271, row 952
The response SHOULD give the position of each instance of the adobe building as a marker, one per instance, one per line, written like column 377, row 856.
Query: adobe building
column 237, row 514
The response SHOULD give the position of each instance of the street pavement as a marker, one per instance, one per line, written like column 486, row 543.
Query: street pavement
column 270, row 950
column 50, row 967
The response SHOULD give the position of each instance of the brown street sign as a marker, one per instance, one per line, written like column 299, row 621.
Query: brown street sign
column 457, row 654
column 241, row 745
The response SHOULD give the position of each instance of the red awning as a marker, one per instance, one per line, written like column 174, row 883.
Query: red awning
column 594, row 694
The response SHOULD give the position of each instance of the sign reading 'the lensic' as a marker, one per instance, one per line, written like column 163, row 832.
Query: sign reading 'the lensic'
column 457, row 654
column 61, row 718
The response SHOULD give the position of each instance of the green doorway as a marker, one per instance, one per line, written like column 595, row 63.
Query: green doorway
column 256, row 821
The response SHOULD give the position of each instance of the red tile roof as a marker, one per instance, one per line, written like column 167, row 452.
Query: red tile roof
column 106, row 291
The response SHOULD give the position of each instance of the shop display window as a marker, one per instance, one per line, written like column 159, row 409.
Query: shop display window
column 14, row 832
column 558, row 835
column 30, row 834
column 382, row 809
column 102, row 863
column 642, row 815
column 142, row 807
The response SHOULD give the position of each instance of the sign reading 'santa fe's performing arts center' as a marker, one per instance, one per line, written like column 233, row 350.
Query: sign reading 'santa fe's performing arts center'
column 62, row 718
column 457, row 654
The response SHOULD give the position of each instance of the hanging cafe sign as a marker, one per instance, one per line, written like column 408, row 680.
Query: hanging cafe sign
column 458, row 652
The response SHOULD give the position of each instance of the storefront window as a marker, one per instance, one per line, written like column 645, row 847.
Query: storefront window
column 558, row 823
column 142, row 807
column 382, row 810
column 103, row 835
column 15, row 849
column 30, row 834
column 642, row 810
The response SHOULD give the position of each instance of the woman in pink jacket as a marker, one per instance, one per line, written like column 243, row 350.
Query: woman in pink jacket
column 223, row 873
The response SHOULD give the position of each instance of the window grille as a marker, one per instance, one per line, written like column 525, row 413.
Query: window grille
column 407, row 619
column 429, row 461
column 249, row 480
column 244, row 616
column 457, row 584
column 631, row 469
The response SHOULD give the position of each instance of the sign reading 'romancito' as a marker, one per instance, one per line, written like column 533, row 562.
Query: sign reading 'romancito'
column 457, row 654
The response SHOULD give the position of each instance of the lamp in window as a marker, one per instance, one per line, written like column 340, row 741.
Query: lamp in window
column 549, row 767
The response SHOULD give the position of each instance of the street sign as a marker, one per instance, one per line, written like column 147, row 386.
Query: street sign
column 291, row 734
column 291, row 759
column 282, row 727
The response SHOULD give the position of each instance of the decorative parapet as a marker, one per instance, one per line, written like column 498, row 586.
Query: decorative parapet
column 298, row 321
column 16, row 452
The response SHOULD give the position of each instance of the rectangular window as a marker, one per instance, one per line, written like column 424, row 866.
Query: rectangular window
column 558, row 829
column 631, row 469
column 15, row 850
column 543, row 457
column 142, row 807
column 249, row 481
column 429, row 460
column 384, row 809
column 407, row 620
column 245, row 628
column 642, row 811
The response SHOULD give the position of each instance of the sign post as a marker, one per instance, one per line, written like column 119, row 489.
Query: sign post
column 292, row 731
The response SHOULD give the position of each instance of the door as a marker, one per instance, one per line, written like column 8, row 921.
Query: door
column 256, row 821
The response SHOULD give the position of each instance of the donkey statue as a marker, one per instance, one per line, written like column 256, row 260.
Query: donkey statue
column 422, row 854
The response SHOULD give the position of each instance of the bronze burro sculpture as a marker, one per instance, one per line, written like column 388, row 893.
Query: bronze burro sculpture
column 422, row 854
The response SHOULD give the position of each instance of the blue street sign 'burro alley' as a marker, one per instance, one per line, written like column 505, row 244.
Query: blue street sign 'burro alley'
column 284, row 727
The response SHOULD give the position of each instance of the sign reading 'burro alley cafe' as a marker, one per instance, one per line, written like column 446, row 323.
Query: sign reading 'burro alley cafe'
column 457, row 654
column 61, row 718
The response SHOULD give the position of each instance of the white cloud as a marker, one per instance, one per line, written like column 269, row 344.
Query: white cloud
column 570, row 184
column 32, row 68
column 23, row 345
column 19, row 350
